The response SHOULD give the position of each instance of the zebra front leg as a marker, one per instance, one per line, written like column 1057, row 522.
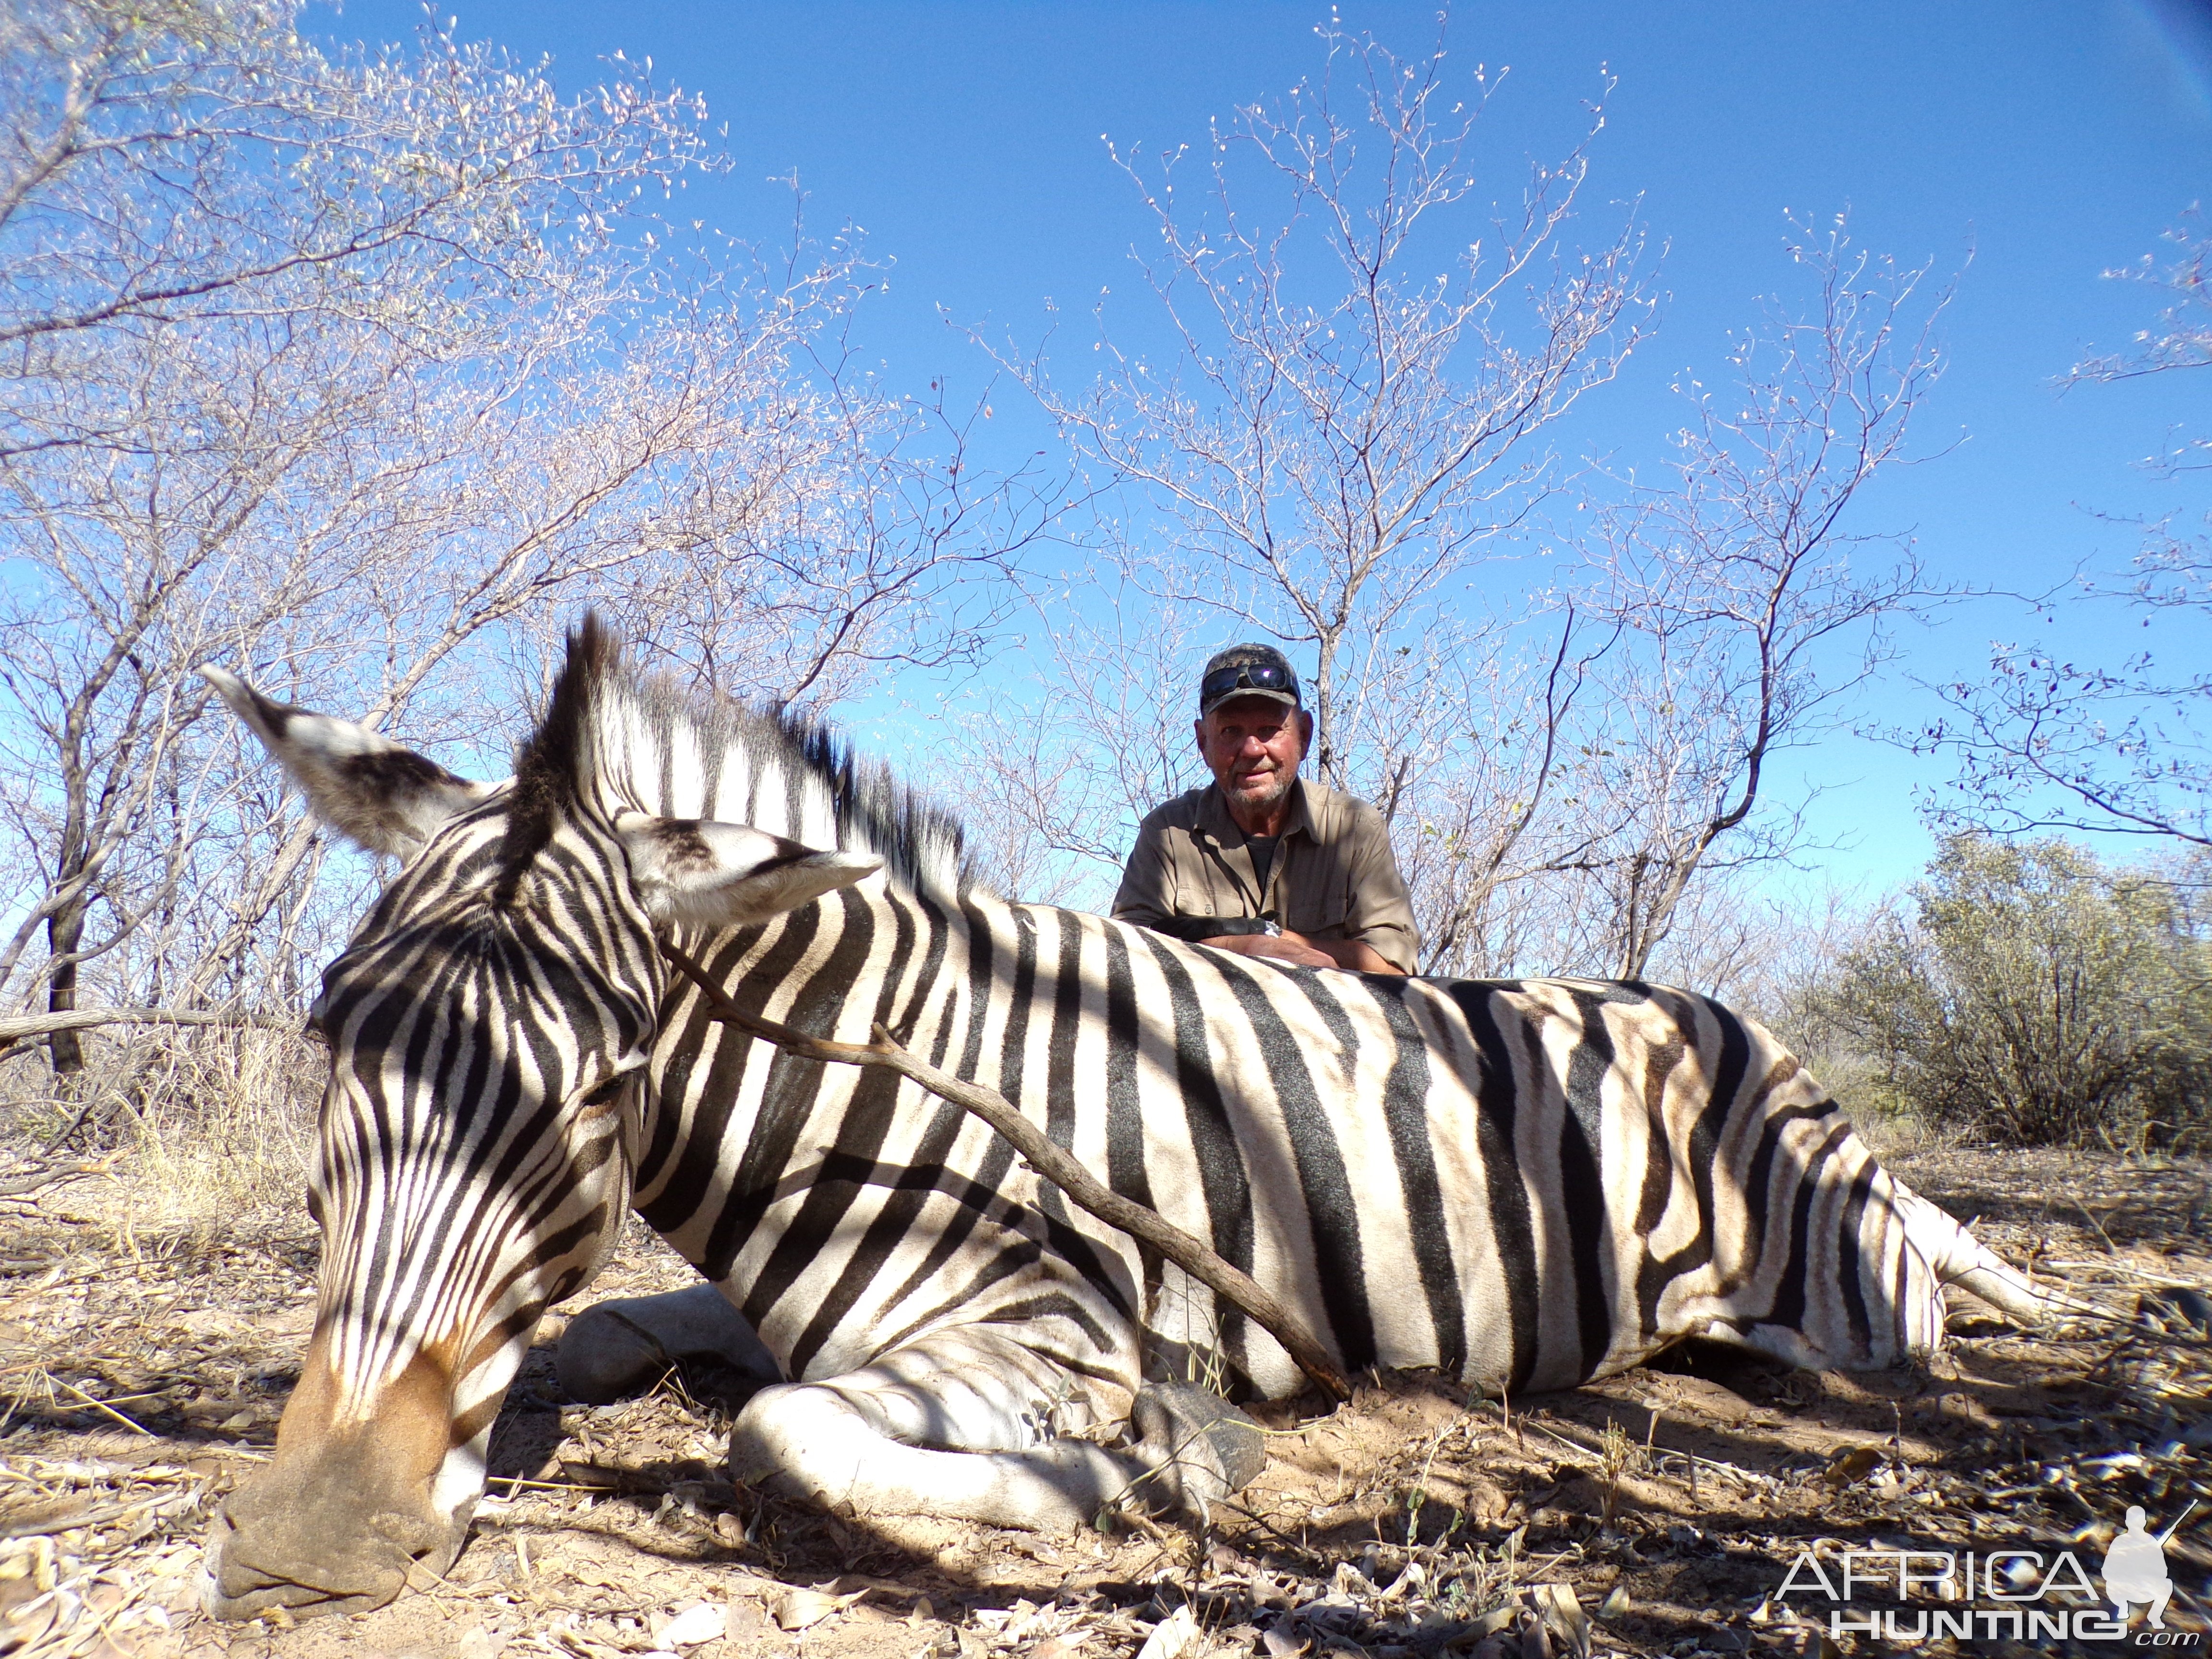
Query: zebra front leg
column 617, row 1348
column 969, row 1424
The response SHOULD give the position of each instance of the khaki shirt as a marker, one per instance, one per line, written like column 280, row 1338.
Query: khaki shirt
column 1334, row 876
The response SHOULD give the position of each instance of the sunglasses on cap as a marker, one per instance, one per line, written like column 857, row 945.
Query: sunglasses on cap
column 1253, row 675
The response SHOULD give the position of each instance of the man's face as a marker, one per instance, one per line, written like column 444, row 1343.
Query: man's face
column 1252, row 745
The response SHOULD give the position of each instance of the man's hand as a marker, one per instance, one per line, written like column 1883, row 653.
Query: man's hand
column 1286, row 947
column 1302, row 952
column 1353, row 953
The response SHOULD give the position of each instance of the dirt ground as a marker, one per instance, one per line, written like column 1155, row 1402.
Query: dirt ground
column 142, row 1372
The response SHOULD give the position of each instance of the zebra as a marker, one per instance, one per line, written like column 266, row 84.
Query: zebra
column 1524, row 1183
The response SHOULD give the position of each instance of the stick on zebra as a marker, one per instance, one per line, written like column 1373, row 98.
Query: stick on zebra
column 1524, row 1183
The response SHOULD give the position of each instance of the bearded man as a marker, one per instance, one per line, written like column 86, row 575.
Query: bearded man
column 1261, row 861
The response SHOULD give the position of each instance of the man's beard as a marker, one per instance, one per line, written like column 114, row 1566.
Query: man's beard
column 1262, row 790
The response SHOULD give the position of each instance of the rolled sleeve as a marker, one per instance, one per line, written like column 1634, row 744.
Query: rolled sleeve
column 1381, row 914
column 1146, row 894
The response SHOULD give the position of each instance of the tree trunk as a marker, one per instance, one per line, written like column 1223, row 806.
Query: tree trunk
column 65, row 932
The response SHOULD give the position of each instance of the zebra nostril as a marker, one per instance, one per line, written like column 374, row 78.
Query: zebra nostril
column 311, row 1565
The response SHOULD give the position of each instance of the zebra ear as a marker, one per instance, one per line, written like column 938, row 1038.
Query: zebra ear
column 365, row 787
column 696, row 873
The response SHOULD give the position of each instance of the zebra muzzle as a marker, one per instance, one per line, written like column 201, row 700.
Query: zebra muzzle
column 343, row 1515
column 265, row 1558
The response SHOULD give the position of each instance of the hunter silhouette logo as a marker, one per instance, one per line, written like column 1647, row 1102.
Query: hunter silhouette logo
column 2134, row 1568
column 2011, row 1594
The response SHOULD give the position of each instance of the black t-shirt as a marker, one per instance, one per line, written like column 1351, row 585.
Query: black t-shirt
column 1262, row 849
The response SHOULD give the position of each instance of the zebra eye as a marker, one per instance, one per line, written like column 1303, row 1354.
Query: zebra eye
column 607, row 1091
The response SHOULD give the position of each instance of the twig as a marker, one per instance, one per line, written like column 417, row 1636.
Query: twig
column 1566, row 1434
column 2166, row 1281
column 46, row 1526
column 100, row 1406
column 516, row 1483
column 1223, row 1278
column 2098, row 1226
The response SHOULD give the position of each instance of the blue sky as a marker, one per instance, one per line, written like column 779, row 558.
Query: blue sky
column 2052, row 141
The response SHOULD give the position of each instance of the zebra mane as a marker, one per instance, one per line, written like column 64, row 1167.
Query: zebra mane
column 612, row 736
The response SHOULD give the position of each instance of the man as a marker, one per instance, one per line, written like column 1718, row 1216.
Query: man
column 1258, row 861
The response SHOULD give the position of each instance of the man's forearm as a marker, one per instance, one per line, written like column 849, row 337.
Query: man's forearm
column 1352, row 953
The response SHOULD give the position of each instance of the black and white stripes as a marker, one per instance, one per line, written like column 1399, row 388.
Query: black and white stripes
column 1524, row 1183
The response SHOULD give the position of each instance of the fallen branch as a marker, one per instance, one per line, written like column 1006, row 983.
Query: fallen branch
column 78, row 1020
column 1223, row 1279
column 92, row 1515
column 37, row 1181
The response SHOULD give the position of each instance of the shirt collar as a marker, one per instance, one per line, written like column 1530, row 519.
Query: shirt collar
column 1213, row 815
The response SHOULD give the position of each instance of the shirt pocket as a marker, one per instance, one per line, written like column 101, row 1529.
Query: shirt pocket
column 1316, row 895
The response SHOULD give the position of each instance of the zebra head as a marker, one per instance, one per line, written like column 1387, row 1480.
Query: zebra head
column 489, row 1029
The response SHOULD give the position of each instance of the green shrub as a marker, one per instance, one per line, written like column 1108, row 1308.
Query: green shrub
column 2032, row 993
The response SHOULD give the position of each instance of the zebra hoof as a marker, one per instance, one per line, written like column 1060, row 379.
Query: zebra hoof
column 622, row 1346
column 1198, row 1446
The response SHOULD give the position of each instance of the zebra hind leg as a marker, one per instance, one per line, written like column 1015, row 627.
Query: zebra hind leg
column 621, row 1347
column 967, row 1424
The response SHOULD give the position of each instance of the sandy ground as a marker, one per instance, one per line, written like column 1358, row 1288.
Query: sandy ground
column 142, row 1372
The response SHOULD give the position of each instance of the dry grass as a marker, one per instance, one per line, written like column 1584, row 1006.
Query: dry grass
column 234, row 1130
column 216, row 1126
column 143, row 1362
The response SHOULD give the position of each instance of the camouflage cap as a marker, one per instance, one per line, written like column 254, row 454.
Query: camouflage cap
column 1246, row 671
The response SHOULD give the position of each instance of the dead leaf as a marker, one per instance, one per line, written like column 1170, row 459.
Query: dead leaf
column 1563, row 1619
column 25, row 1629
column 853, row 1584
column 1850, row 1465
column 742, row 1624
column 1491, row 1623
column 701, row 1621
column 801, row 1609
column 1175, row 1637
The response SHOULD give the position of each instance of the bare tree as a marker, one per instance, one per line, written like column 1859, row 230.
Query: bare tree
column 849, row 530
column 226, row 257
column 1343, row 437
column 1748, row 605
column 2047, row 742
column 1486, row 829
column 1055, row 774
column 357, row 371
column 192, row 160
column 1343, row 429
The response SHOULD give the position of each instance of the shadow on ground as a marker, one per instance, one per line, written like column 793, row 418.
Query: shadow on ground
column 1658, row 1511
